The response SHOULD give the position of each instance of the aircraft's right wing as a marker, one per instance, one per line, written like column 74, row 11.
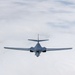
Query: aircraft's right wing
column 25, row 49
column 55, row 49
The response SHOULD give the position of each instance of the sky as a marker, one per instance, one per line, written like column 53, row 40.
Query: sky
column 24, row 19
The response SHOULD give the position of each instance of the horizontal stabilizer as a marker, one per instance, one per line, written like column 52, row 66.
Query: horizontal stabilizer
column 37, row 40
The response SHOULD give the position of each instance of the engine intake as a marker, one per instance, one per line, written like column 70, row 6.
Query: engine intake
column 31, row 49
column 44, row 49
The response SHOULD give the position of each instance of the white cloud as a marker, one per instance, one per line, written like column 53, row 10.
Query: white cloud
column 20, row 20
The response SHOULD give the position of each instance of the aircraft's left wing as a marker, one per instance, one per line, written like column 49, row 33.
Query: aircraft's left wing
column 55, row 49
column 25, row 49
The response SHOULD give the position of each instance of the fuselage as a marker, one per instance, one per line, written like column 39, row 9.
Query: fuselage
column 38, row 49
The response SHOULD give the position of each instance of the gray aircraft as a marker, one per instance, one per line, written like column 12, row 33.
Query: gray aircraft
column 38, row 48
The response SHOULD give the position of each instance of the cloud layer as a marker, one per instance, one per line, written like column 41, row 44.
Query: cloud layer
column 24, row 19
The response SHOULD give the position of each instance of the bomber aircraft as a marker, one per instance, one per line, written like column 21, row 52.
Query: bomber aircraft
column 37, row 48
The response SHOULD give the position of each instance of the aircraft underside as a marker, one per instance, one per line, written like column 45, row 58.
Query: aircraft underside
column 37, row 53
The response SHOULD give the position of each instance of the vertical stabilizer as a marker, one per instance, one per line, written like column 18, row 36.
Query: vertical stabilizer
column 37, row 40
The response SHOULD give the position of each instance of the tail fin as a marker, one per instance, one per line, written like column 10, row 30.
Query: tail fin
column 37, row 40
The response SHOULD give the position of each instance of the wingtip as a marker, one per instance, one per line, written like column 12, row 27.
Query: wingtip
column 5, row 47
column 71, row 48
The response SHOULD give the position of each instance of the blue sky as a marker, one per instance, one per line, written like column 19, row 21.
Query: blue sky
column 21, row 20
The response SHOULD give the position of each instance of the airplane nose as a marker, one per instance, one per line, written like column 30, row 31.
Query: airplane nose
column 37, row 53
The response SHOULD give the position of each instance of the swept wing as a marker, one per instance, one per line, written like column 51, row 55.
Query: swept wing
column 55, row 49
column 25, row 49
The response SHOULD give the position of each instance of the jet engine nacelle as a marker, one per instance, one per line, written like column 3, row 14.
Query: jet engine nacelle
column 31, row 49
column 44, row 49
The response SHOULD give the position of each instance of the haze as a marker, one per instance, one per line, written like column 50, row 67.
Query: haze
column 24, row 19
